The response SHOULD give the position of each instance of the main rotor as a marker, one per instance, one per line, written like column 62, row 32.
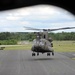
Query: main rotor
column 30, row 28
column 44, row 34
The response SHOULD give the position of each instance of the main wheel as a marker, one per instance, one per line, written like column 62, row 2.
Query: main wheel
column 37, row 54
column 53, row 53
column 33, row 54
column 48, row 54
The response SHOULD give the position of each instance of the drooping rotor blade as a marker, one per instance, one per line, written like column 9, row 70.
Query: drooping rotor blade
column 61, row 28
column 30, row 28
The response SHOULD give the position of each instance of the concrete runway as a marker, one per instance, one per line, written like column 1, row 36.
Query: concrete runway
column 20, row 62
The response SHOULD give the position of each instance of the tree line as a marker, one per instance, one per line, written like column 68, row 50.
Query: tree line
column 63, row 36
column 14, row 37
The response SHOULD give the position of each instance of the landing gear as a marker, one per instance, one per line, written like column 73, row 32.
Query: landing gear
column 37, row 54
column 48, row 54
column 33, row 54
column 53, row 53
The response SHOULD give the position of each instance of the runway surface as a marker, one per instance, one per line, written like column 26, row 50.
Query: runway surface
column 21, row 62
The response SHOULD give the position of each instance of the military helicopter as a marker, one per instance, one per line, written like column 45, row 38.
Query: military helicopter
column 42, row 43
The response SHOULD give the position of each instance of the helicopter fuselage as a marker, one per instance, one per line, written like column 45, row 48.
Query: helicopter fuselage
column 41, row 46
column 42, row 43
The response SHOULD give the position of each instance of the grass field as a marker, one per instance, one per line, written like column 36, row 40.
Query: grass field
column 64, row 46
column 58, row 46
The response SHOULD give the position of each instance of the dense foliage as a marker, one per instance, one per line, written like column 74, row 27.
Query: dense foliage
column 13, row 38
column 63, row 36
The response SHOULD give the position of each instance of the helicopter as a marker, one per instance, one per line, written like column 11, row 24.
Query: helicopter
column 43, row 43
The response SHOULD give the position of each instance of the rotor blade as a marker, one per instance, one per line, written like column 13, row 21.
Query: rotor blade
column 30, row 28
column 61, row 28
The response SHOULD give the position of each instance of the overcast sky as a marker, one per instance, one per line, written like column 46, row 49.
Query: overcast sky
column 39, row 16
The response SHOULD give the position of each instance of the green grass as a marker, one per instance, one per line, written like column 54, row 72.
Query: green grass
column 58, row 46
column 18, row 47
column 64, row 46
